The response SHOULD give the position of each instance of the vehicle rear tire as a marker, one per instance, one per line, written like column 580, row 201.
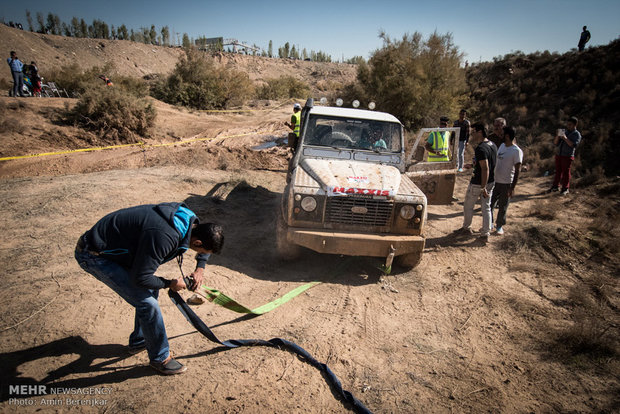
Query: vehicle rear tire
column 409, row 260
column 286, row 250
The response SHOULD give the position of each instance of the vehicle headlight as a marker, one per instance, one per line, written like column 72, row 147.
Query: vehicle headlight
column 407, row 212
column 308, row 204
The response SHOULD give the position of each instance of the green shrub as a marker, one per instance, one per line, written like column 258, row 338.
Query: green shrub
column 283, row 87
column 116, row 116
column 199, row 83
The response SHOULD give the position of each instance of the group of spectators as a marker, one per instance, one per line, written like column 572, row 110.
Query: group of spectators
column 18, row 70
column 496, row 166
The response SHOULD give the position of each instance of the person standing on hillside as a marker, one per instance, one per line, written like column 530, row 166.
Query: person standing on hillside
column 567, row 143
column 295, row 126
column 509, row 160
column 438, row 143
column 497, row 136
column 18, row 77
column 584, row 38
column 126, row 247
column 482, row 183
column 464, row 124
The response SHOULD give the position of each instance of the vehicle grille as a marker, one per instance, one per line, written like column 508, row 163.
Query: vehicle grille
column 339, row 210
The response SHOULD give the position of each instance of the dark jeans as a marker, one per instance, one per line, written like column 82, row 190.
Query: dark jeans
column 562, row 171
column 149, row 326
column 500, row 200
column 18, row 83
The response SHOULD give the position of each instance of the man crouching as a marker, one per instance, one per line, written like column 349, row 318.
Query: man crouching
column 125, row 248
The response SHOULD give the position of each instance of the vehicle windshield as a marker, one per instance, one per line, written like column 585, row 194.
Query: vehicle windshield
column 351, row 133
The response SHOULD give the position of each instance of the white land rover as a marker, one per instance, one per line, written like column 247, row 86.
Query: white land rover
column 348, row 191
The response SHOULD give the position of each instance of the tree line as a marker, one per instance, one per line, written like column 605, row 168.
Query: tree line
column 98, row 29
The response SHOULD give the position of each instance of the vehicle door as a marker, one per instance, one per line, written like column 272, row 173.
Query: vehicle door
column 436, row 179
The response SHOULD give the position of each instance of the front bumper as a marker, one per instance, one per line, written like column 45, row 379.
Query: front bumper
column 355, row 244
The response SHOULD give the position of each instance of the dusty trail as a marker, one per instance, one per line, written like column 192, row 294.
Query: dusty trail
column 473, row 328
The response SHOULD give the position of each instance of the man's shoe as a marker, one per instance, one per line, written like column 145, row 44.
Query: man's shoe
column 460, row 170
column 169, row 367
column 136, row 349
column 564, row 191
column 499, row 231
column 484, row 238
column 465, row 230
column 552, row 190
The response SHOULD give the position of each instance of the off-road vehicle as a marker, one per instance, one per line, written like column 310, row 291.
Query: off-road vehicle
column 350, row 190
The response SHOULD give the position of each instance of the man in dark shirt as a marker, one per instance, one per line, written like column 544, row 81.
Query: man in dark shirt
column 125, row 248
column 464, row 124
column 584, row 38
column 482, row 182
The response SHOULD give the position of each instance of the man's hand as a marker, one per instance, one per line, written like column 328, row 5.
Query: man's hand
column 197, row 277
column 177, row 284
column 484, row 193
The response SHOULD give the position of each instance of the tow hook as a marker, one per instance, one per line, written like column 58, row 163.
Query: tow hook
column 390, row 257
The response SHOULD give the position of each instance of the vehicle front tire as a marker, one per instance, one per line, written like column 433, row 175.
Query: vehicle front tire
column 286, row 250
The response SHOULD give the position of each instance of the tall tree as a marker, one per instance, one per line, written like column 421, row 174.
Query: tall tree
column 165, row 35
column 83, row 28
column 29, row 20
column 41, row 23
column 153, row 34
column 186, row 43
column 122, row 32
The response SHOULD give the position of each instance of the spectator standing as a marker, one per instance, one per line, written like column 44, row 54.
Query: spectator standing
column 438, row 143
column 35, row 79
column 295, row 126
column 497, row 136
column 18, row 77
column 464, row 124
column 482, row 182
column 584, row 38
column 509, row 160
column 567, row 143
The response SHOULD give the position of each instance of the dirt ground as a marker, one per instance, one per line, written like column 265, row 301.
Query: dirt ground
column 528, row 323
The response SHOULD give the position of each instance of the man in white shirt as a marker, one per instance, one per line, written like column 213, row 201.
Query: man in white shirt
column 507, row 168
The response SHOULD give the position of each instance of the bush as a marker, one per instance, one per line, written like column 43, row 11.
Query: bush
column 113, row 114
column 78, row 81
column 283, row 87
column 198, row 83
column 417, row 80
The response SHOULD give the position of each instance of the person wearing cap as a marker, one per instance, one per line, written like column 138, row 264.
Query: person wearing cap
column 438, row 143
column 295, row 125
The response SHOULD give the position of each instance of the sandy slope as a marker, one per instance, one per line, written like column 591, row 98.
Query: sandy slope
column 472, row 329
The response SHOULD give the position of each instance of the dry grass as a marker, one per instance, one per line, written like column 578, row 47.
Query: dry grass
column 544, row 209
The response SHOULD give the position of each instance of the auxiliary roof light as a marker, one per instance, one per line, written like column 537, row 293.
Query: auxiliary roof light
column 339, row 102
column 371, row 106
column 323, row 100
column 356, row 104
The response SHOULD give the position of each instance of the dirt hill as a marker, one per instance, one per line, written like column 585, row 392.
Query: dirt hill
column 138, row 60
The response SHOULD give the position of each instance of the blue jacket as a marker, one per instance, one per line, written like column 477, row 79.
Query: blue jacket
column 15, row 64
column 141, row 238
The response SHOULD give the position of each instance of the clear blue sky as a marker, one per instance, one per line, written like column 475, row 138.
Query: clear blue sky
column 481, row 29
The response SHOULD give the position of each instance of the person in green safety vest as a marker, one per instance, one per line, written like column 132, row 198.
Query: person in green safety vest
column 438, row 143
column 294, row 125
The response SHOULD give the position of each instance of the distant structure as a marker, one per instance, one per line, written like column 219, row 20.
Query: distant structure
column 218, row 43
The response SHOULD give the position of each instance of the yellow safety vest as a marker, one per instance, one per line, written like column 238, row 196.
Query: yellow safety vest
column 297, row 116
column 440, row 144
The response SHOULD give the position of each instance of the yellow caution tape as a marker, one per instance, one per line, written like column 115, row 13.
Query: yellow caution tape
column 141, row 144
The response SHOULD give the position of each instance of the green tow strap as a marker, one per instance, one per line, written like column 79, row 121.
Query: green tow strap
column 217, row 297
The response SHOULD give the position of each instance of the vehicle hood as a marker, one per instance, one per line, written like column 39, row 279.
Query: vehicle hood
column 341, row 177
